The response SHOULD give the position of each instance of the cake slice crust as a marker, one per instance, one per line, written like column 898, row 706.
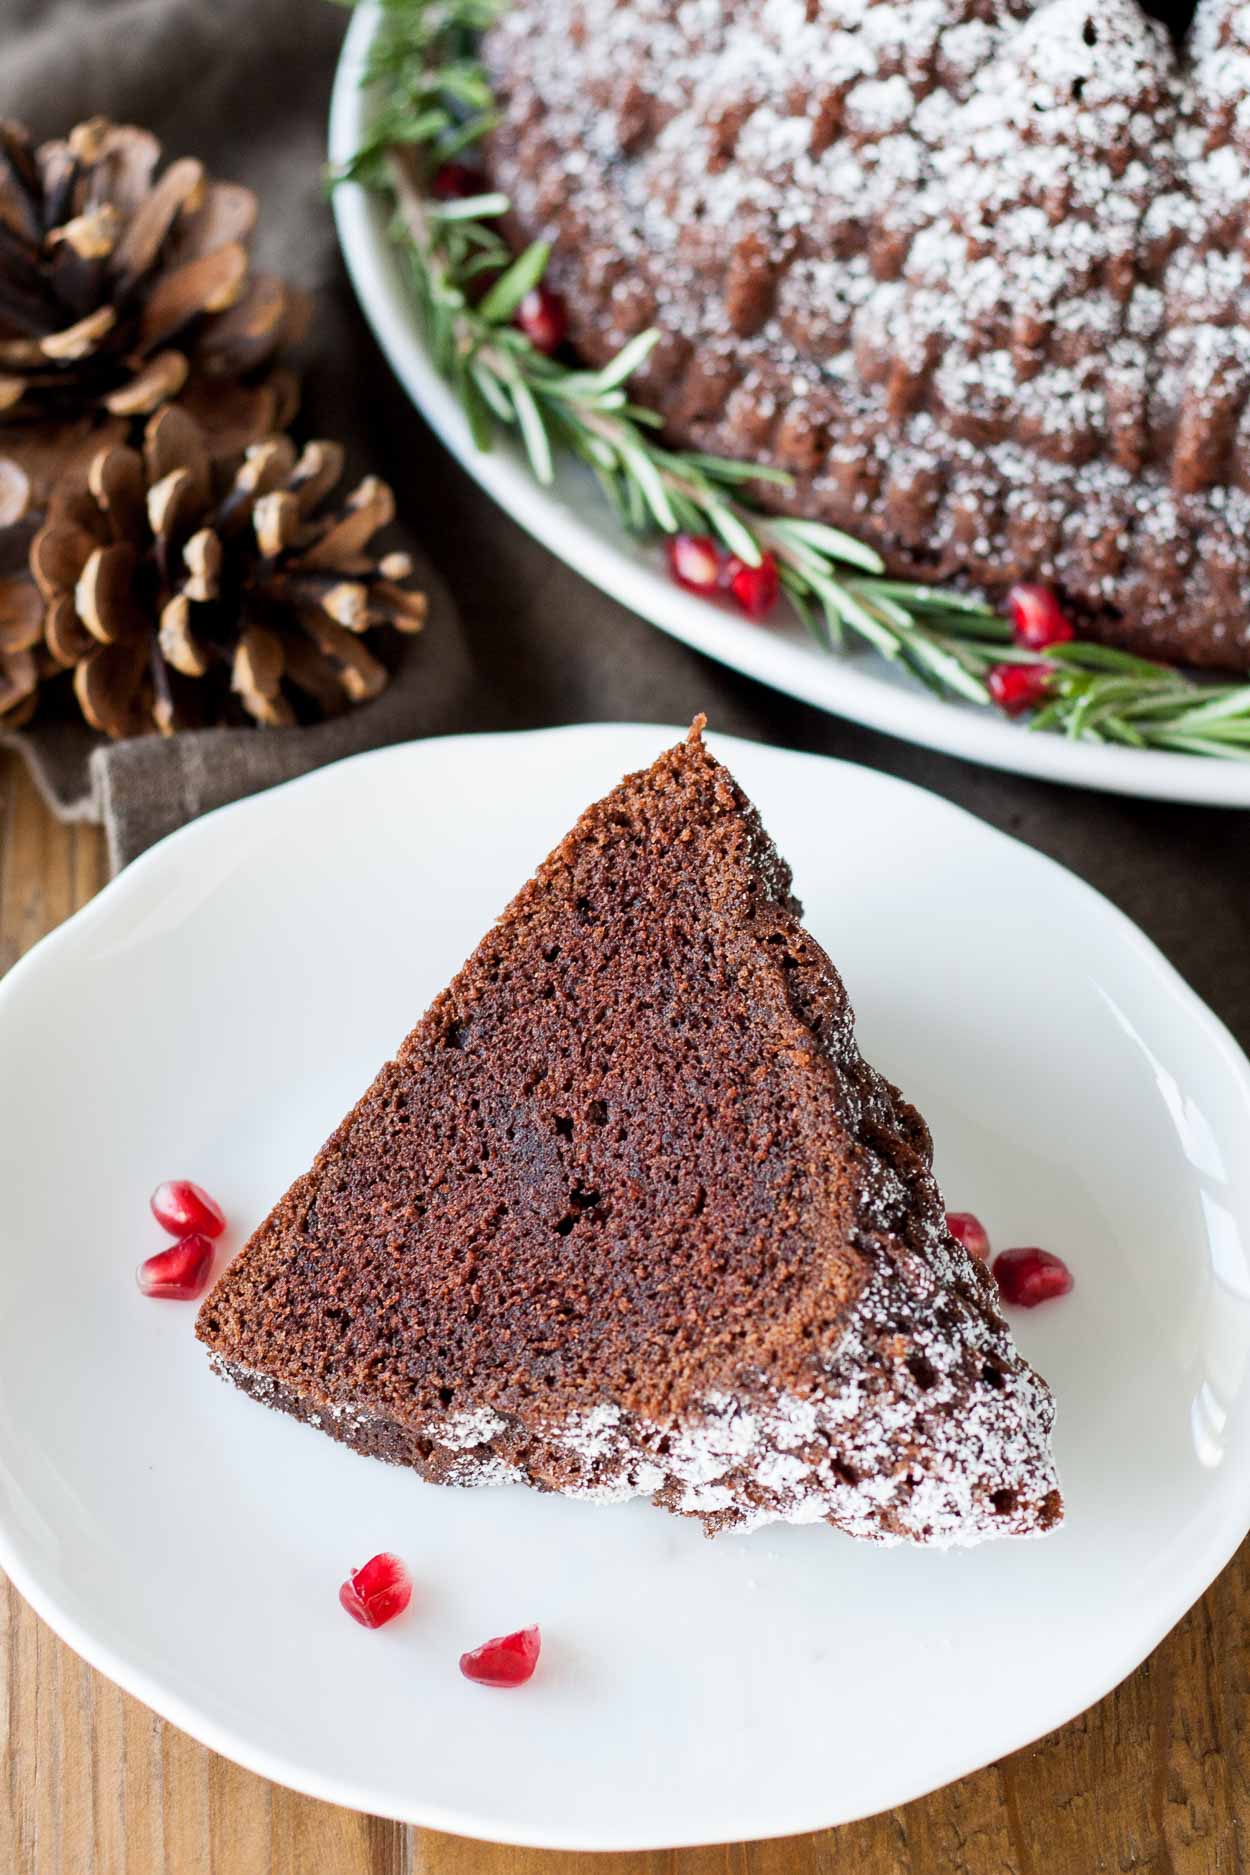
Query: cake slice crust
column 628, row 1213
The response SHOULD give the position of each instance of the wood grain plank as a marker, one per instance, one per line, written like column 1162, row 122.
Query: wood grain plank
column 12, row 1791
column 310, row 1838
column 1153, row 1781
column 1228, row 1607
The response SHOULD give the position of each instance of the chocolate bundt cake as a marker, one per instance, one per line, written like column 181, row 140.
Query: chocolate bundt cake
column 628, row 1214
column 973, row 271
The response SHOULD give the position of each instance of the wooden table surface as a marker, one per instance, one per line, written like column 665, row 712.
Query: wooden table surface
column 1156, row 1778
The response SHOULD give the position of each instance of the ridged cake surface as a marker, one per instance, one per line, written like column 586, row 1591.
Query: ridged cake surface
column 972, row 271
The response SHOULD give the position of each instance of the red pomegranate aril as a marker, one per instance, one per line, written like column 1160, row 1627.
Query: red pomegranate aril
column 542, row 318
column 455, row 182
column 1038, row 618
column 178, row 1274
column 756, row 588
column 694, row 561
column 1017, row 688
column 971, row 1233
column 378, row 1591
column 180, row 1207
column 1028, row 1276
column 508, row 1661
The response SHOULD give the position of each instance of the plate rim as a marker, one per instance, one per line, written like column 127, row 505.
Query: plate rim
column 840, row 686
column 1231, row 1524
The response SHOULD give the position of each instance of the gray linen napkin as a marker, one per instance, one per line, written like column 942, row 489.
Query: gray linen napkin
column 244, row 85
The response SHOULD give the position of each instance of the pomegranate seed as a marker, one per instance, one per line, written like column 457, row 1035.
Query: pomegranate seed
column 694, row 562
column 542, row 318
column 1028, row 1276
column 454, row 182
column 1038, row 618
column 754, row 587
column 377, row 1592
column 1019, row 687
column 971, row 1233
column 508, row 1661
column 179, row 1273
column 179, row 1207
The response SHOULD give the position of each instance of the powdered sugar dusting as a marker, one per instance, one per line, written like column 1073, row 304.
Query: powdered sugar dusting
column 461, row 1431
column 972, row 273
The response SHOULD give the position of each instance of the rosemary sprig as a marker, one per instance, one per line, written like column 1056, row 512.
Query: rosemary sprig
column 435, row 102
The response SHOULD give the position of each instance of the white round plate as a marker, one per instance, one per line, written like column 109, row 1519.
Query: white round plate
column 215, row 1011
column 573, row 521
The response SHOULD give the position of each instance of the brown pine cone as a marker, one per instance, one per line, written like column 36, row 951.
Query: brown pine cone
column 183, row 589
column 121, row 287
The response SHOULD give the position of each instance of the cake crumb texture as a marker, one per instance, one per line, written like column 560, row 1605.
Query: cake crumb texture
column 628, row 1214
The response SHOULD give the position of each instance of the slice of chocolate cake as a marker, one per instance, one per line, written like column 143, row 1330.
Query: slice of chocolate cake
column 629, row 1214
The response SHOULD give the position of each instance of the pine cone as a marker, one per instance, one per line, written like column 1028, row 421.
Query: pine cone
column 119, row 287
column 183, row 590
